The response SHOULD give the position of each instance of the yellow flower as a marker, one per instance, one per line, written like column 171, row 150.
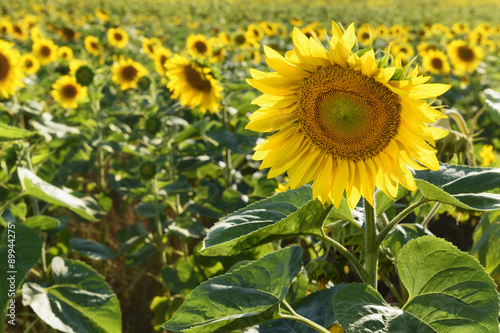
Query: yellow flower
column 150, row 45
column 365, row 33
column 161, row 57
column 382, row 31
column 282, row 187
column 193, row 84
column 487, row 155
column 255, row 31
column 347, row 123
column 127, row 72
column 270, row 28
column 19, row 31
column 65, row 53
column 436, row 62
column 92, row 45
column 118, row 37
column 460, row 28
column 423, row 48
column 463, row 56
column 10, row 69
column 67, row 92
column 45, row 50
column 243, row 40
column 404, row 51
column 296, row 22
column 68, row 34
column 102, row 15
column 30, row 63
column 5, row 27
column 198, row 46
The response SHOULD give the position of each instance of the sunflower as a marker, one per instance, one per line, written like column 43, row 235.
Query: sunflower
column 45, row 50
column 198, row 45
column 460, row 28
column 436, row 62
column 30, row 63
column 65, row 53
column 403, row 51
column 365, row 34
column 423, row 48
column 255, row 31
column 19, row 31
column 296, row 22
column 463, row 56
column 127, row 72
column 346, row 122
column 36, row 33
column 487, row 155
column 68, row 34
column 118, row 37
column 193, row 84
column 102, row 15
column 161, row 56
column 10, row 69
column 382, row 31
column 5, row 27
column 243, row 40
column 150, row 45
column 270, row 28
column 92, row 45
column 68, row 92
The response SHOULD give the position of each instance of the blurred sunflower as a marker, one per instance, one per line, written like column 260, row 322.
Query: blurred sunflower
column 5, row 27
column 19, row 31
column 68, row 34
column 463, row 56
column 126, row 73
column 45, row 50
column 92, row 45
column 243, row 40
column 198, row 46
column 345, row 122
column 10, row 69
column 487, row 155
column 161, row 56
column 30, row 63
column 403, row 51
column 382, row 31
column 436, row 62
column 460, row 28
column 118, row 37
column 36, row 33
column 365, row 34
column 65, row 53
column 255, row 31
column 270, row 28
column 102, row 15
column 423, row 48
column 193, row 84
column 296, row 22
column 150, row 45
column 67, row 92
column 477, row 36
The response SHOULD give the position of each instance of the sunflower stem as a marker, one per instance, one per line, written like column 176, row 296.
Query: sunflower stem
column 362, row 272
column 295, row 316
column 371, row 247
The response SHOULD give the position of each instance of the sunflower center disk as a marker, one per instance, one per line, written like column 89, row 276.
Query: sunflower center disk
column 196, row 80
column 4, row 67
column 348, row 115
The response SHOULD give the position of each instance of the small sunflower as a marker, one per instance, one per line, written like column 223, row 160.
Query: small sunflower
column 30, row 63
column 436, row 62
column 67, row 92
column 68, row 34
column 118, row 37
column 403, row 51
column 460, row 28
column 10, row 69
column 193, row 84
column 270, row 28
column 65, row 53
column 150, row 45
column 423, row 48
column 5, row 27
column 198, row 46
column 348, row 123
column 92, row 45
column 102, row 15
column 365, row 34
column 243, row 40
column 45, row 50
column 463, row 56
column 256, row 31
column 161, row 57
column 382, row 31
column 127, row 72
column 487, row 155
column 19, row 31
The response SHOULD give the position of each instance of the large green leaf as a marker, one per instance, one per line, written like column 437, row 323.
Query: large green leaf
column 461, row 186
column 79, row 300
column 448, row 291
column 283, row 215
column 487, row 241
column 26, row 247
column 42, row 222
column 42, row 190
column 317, row 307
column 91, row 249
column 8, row 133
column 244, row 297
column 402, row 234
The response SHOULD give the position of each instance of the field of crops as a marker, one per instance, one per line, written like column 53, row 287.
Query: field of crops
column 247, row 166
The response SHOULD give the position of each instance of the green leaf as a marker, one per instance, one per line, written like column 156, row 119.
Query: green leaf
column 8, row 133
column 461, row 186
column 79, row 300
column 180, row 277
column 317, row 307
column 402, row 234
column 492, row 102
column 283, row 215
column 42, row 222
column 244, row 297
column 91, row 249
column 383, row 202
column 42, row 190
column 27, row 248
column 448, row 291
column 486, row 237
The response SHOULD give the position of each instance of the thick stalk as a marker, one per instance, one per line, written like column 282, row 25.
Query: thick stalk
column 393, row 289
column 295, row 316
column 371, row 247
column 362, row 272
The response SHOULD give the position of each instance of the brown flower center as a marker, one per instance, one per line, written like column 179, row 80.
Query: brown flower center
column 4, row 67
column 200, row 47
column 69, row 91
column 346, row 114
column 196, row 79
column 465, row 53
column 437, row 63
column 129, row 73
column 45, row 51
column 118, row 36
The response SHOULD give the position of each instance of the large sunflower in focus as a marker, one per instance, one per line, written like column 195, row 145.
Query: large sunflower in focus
column 127, row 73
column 464, row 57
column 10, row 69
column 193, row 84
column 68, row 92
column 346, row 121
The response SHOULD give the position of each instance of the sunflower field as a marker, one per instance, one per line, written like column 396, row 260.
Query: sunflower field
column 250, row 166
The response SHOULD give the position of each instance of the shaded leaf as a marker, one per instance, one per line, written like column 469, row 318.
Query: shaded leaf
column 42, row 222
column 402, row 234
column 8, row 133
column 486, row 237
column 91, row 249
